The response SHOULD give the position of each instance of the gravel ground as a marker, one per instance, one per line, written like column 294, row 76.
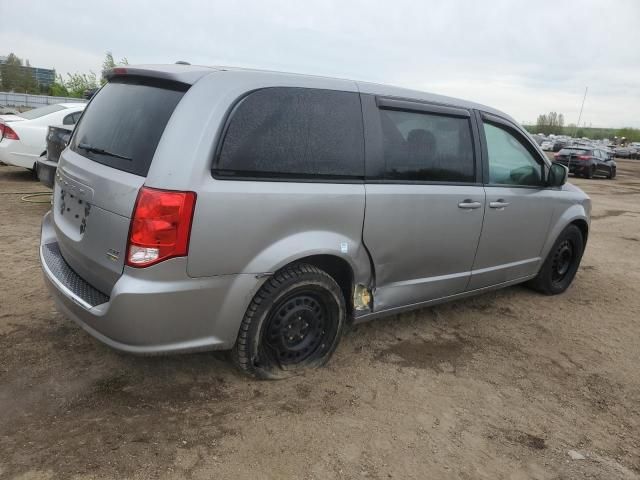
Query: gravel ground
column 510, row 384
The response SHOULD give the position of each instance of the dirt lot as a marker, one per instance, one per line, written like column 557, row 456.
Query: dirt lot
column 503, row 385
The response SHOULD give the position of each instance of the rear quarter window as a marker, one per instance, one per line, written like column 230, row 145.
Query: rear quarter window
column 126, row 119
column 289, row 132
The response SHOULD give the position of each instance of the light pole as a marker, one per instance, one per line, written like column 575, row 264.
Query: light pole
column 580, row 115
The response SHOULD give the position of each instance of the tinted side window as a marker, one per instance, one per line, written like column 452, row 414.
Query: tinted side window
column 69, row 119
column 294, row 132
column 426, row 147
column 510, row 163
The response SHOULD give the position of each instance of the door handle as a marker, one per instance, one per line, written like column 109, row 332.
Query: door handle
column 468, row 204
column 500, row 204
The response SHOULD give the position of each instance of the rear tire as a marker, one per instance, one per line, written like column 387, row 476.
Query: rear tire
column 590, row 172
column 294, row 322
column 561, row 265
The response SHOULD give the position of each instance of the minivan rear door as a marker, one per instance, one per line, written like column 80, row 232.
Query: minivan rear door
column 425, row 201
column 99, row 175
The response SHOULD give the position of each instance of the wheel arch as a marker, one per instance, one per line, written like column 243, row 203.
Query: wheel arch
column 582, row 224
column 574, row 215
column 338, row 269
column 334, row 252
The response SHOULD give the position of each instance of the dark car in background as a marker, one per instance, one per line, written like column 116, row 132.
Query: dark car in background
column 624, row 152
column 558, row 145
column 57, row 139
column 586, row 161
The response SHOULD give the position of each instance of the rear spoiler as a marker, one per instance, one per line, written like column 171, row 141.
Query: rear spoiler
column 187, row 74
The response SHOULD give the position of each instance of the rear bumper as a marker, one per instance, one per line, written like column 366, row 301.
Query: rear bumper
column 575, row 167
column 152, row 310
column 12, row 153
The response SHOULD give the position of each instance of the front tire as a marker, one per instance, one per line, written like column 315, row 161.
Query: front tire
column 294, row 322
column 612, row 173
column 561, row 265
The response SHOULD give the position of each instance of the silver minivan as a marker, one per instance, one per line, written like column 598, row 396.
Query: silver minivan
column 202, row 208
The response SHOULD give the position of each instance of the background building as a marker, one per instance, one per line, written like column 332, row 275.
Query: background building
column 43, row 77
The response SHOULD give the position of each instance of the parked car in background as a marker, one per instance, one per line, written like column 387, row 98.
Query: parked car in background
column 88, row 94
column 623, row 152
column 538, row 138
column 609, row 152
column 547, row 145
column 587, row 162
column 197, row 208
column 57, row 139
column 23, row 140
column 9, row 114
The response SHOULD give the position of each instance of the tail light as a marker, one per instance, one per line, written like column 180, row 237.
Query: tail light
column 160, row 226
column 7, row 132
column 556, row 155
column 584, row 158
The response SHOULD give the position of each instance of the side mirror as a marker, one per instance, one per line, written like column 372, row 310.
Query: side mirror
column 558, row 175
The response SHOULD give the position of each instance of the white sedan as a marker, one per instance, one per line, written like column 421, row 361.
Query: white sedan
column 547, row 146
column 23, row 137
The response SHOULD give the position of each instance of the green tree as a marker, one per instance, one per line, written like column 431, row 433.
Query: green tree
column 58, row 88
column 11, row 73
column 77, row 83
column 110, row 63
column 107, row 65
column 551, row 122
column 28, row 83
column 630, row 134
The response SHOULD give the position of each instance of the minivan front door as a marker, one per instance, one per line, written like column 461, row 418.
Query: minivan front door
column 518, row 209
column 424, row 203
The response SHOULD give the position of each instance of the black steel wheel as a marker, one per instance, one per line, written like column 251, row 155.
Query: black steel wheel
column 561, row 264
column 563, row 258
column 294, row 322
column 300, row 326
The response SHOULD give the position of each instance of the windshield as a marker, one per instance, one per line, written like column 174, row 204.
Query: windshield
column 41, row 112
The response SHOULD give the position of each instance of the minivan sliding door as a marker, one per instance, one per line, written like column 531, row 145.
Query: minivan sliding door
column 424, row 200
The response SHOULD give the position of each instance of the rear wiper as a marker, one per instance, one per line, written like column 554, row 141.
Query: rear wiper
column 101, row 151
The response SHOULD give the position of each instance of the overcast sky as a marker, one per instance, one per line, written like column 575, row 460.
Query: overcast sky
column 523, row 57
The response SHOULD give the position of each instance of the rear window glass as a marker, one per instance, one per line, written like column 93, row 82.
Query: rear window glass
column 123, row 124
column 574, row 151
column 288, row 132
column 41, row 112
